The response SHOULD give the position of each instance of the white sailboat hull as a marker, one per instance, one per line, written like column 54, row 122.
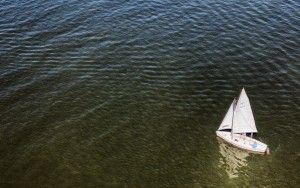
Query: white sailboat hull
column 243, row 142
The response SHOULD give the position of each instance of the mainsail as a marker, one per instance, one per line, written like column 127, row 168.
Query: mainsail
column 243, row 120
column 227, row 121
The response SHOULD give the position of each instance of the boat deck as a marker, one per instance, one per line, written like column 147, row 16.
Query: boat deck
column 243, row 142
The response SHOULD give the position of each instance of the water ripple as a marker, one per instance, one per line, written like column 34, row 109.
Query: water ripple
column 138, row 82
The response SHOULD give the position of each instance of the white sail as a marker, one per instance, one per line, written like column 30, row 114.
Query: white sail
column 227, row 121
column 243, row 120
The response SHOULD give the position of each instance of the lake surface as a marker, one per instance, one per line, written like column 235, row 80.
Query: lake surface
column 130, row 93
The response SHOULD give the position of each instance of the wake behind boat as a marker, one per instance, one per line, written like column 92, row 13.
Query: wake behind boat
column 237, row 123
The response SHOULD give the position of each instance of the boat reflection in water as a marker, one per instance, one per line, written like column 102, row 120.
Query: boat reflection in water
column 232, row 159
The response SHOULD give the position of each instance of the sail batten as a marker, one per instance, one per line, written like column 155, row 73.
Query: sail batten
column 243, row 121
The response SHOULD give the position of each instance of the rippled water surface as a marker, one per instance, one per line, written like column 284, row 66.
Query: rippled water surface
column 130, row 93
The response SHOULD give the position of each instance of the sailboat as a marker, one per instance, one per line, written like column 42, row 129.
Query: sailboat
column 238, row 123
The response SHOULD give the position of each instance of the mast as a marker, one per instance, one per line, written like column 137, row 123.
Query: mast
column 233, row 107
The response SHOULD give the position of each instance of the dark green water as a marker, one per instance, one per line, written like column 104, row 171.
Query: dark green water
column 130, row 93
